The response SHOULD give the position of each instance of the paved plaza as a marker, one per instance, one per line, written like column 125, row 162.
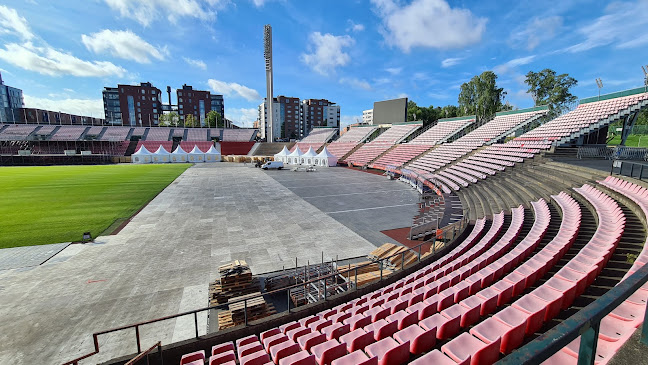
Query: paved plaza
column 162, row 262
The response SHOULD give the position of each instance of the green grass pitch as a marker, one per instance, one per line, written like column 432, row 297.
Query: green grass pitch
column 52, row 204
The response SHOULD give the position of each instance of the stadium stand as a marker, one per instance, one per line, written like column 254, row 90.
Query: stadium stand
column 115, row 133
column 381, row 144
column 443, row 130
column 44, row 132
column 216, row 133
column 502, row 125
column 180, row 132
column 236, row 148
column 399, row 155
column 94, row 131
column 153, row 146
column 195, row 134
column 17, row 132
column 238, row 135
column 349, row 140
column 158, row 134
column 587, row 117
column 68, row 133
column 315, row 139
column 438, row 157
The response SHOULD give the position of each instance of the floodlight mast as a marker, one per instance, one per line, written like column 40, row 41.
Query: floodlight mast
column 599, row 83
column 267, row 52
column 645, row 71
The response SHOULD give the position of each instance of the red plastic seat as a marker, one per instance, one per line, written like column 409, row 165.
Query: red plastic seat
column 492, row 329
column 255, row 358
column 466, row 347
column 535, row 310
column 403, row 319
column 282, row 350
column 339, row 317
column 304, row 322
column 629, row 312
column 389, row 351
column 377, row 313
column 567, row 288
column 382, row 329
column 328, row 351
column 246, row 340
column 517, row 320
column 395, row 305
column 268, row 342
column 300, row 358
column 249, row 349
column 436, row 357
column 222, row 358
column 505, row 291
column 553, row 298
column 270, row 333
column 488, row 298
column 336, row 330
column 518, row 280
column 424, row 309
column 356, row 358
column 309, row 340
column 319, row 324
column 291, row 326
column 471, row 307
column 296, row 333
column 444, row 326
column 357, row 321
column 357, row 340
column 223, row 347
column 420, row 340
column 193, row 356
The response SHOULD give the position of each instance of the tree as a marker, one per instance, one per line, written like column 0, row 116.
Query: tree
column 449, row 111
column 214, row 119
column 168, row 120
column 552, row 90
column 413, row 111
column 190, row 120
column 482, row 97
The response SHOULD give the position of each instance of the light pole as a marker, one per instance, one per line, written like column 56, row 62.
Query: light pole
column 267, row 47
column 599, row 83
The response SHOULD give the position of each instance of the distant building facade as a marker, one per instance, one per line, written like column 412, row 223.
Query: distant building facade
column 294, row 119
column 11, row 99
column 195, row 102
column 41, row 116
column 131, row 105
column 367, row 116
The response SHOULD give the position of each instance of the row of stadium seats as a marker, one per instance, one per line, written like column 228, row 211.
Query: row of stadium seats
column 501, row 124
column 381, row 144
column 315, row 139
column 441, row 131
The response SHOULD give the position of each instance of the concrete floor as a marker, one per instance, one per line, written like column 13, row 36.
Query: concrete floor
column 162, row 262
column 366, row 203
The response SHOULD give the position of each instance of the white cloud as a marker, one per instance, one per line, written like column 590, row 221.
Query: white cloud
column 49, row 61
column 86, row 107
column 122, row 44
column 624, row 24
column 146, row 11
column 327, row 52
column 428, row 23
column 536, row 31
column 449, row 62
column 196, row 63
column 232, row 88
column 508, row 66
column 353, row 27
column 355, row 83
column 394, row 70
column 243, row 117
column 12, row 23
column 258, row 3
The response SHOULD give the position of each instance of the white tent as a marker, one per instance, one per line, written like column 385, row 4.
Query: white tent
column 294, row 157
column 196, row 155
column 179, row 155
column 325, row 158
column 309, row 157
column 141, row 156
column 160, row 156
column 212, row 155
column 283, row 155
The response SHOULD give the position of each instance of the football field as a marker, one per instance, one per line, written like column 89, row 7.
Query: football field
column 52, row 204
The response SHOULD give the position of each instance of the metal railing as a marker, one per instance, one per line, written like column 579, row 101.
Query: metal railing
column 630, row 169
column 145, row 354
column 445, row 235
column 584, row 323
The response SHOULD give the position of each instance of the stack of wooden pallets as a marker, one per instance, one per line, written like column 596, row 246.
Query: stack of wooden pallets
column 256, row 307
column 235, row 280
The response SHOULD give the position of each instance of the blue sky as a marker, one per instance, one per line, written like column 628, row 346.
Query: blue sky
column 62, row 53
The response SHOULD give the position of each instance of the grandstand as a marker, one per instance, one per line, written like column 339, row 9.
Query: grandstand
column 443, row 130
column 68, row 133
column 239, row 135
column 504, row 124
column 349, row 141
column 381, row 144
column 315, row 139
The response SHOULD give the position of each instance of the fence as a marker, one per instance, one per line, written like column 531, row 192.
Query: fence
column 436, row 243
column 613, row 153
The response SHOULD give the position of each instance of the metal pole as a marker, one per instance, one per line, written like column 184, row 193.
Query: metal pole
column 419, row 253
column 196, row 322
column 356, row 278
column 288, row 299
column 403, row 261
column 381, row 269
column 587, row 349
column 139, row 346
column 245, row 310
column 325, row 289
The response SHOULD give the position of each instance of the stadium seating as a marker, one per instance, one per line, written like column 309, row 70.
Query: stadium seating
column 158, row 134
column 381, row 144
column 17, row 132
column 442, row 131
column 399, row 155
column 153, row 146
column 193, row 134
column 68, row 133
column 438, row 157
column 315, row 139
column 499, row 127
column 238, row 135
column 189, row 145
column 115, row 133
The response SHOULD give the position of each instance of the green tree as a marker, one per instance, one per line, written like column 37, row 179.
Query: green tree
column 168, row 120
column 482, row 97
column 552, row 90
column 214, row 119
column 450, row 111
column 413, row 111
column 190, row 120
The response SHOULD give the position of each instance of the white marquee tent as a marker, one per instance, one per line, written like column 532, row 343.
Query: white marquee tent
column 160, row 156
column 325, row 158
column 212, row 155
column 196, row 155
column 141, row 156
column 294, row 157
column 283, row 155
column 309, row 157
column 179, row 155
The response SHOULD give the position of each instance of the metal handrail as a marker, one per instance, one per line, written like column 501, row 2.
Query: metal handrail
column 455, row 227
column 584, row 323
column 141, row 355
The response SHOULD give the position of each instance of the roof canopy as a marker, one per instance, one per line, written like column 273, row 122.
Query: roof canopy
column 325, row 153
column 284, row 152
column 161, row 151
column 196, row 151
column 310, row 153
column 179, row 151
column 296, row 153
column 142, row 151
column 212, row 151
